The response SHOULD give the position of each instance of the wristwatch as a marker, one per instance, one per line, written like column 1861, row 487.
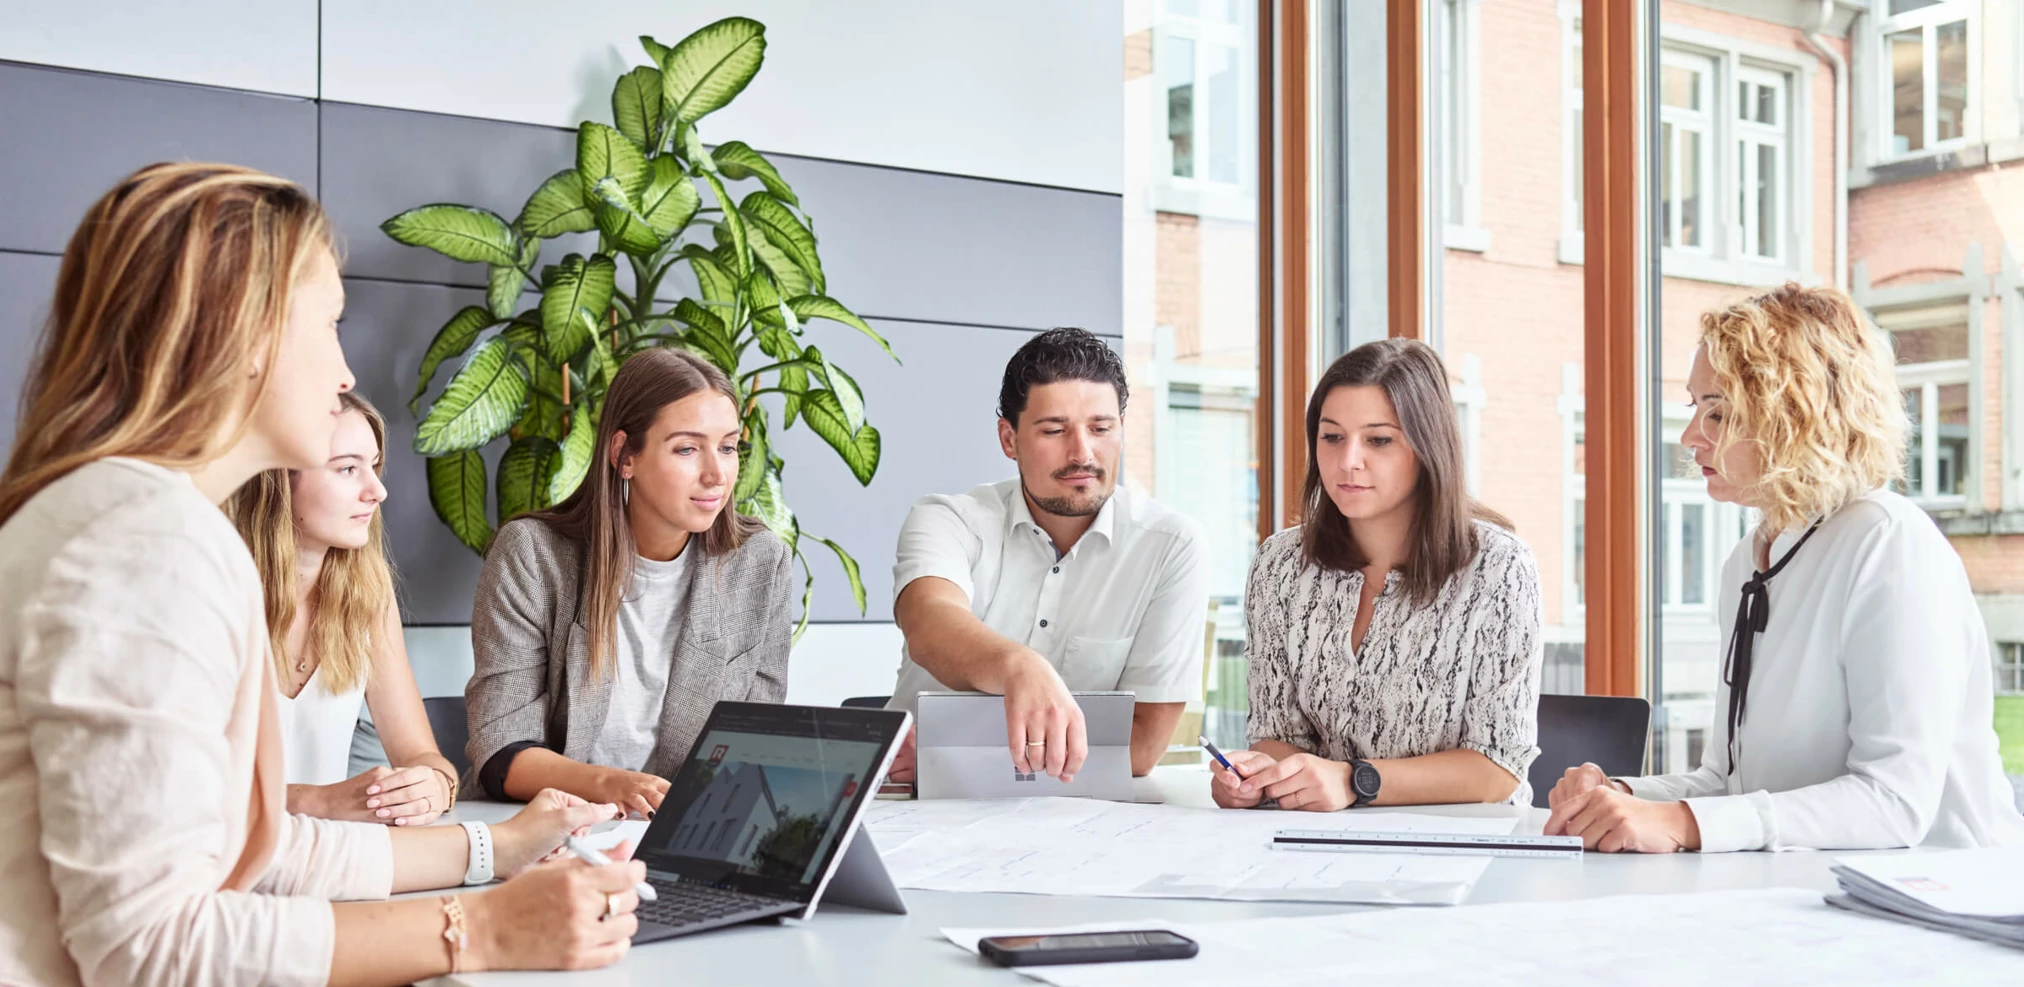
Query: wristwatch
column 1363, row 781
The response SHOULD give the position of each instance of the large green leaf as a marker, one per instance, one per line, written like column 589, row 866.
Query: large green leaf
column 503, row 282
column 636, row 106
column 707, row 336
column 793, row 380
column 753, row 459
column 738, row 162
column 849, row 399
column 458, row 232
column 765, row 213
column 573, row 287
column 545, row 413
column 479, row 405
column 453, row 339
column 787, row 275
column 602, row 152
column 734, row 226
column 525, row 475
column 860, row 451
column 693, row 149
column 670, row 200
column 769, row 504
column 711, row 67
column 849, row 572
column 765, row 299
column 712, row 279
column 621, row 224
column 557, row 207
column 577, row 450
column 819, row 307
column 457, row 492
column 655, row 50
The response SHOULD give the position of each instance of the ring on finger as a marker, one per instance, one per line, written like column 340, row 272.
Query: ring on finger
column 1036, row 743
column 610, row 907
column 1297, row 800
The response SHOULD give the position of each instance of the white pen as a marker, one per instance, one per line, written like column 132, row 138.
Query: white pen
column 590, row 855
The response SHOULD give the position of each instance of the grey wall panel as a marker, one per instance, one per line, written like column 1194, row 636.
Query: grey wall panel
column 71, row 135
column 937, row 418
column 26, row 281
column 387, row 327
column 896, row 244
column 378, row 162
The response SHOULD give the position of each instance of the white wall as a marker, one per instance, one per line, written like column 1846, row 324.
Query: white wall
column 1026, row 91
column 264, row 45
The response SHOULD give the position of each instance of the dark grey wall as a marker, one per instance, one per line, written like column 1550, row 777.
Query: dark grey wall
column 956, row 272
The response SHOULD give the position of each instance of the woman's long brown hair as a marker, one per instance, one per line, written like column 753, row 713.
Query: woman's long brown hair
column 174, row 284
column 354, row 588
column 1443, row 538
column 595, row 515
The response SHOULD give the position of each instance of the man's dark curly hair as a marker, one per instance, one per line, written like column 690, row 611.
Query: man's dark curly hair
column 1065, row 353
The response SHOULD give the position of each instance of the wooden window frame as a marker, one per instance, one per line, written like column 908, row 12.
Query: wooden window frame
column 1612, row 200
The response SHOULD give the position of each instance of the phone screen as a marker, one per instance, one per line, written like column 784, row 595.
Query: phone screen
column 1089, row 940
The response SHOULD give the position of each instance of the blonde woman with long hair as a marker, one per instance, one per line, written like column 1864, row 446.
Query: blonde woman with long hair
column 1855, row 709
column 315, row 535
column 192, row 345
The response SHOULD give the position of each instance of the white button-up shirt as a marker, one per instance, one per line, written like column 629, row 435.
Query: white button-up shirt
column 1124, row 609
column 1871, row 719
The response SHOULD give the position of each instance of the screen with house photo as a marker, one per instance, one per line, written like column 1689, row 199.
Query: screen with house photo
column 761, row 805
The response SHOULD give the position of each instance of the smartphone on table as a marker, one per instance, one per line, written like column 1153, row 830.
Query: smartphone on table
column 1087, row 947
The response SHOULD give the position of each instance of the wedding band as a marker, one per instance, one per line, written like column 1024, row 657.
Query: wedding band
column 1036, row 743
column 610, row 907
column 1296, row 800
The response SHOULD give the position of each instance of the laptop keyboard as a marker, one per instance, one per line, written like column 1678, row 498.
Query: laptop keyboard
column 687, row 904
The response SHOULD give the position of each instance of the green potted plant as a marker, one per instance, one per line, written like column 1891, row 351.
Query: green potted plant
column 640, row 186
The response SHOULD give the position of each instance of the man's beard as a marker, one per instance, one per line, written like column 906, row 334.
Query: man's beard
column 1073, row 505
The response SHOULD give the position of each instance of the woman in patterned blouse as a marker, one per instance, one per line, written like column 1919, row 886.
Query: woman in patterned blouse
column 1393, row 636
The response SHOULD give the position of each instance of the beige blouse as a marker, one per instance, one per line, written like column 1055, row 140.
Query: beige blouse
column 142, row 835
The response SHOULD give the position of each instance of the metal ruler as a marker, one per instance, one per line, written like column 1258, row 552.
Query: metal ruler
column 1470, row 844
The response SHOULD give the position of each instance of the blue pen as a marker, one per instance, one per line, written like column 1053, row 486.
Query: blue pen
column 1220, row 759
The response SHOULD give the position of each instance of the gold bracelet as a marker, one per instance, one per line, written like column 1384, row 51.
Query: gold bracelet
column 449, row 785
column 453, row 930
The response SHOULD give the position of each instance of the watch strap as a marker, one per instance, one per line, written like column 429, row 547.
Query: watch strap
column 479, row 870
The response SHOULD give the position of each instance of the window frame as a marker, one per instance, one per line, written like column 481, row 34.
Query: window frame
column 1458, row 115
column 1199, row 195
column 1751, row 134
column 1700, row 121
column 1926, row 21
column 1915, row 306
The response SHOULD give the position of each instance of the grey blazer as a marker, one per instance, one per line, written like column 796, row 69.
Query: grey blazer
column 532, row 684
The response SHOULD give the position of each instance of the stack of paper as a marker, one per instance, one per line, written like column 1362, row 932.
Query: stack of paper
column 1976, row 893
column 1088, row 847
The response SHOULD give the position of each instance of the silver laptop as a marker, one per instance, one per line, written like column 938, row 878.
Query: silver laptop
column 962, row 752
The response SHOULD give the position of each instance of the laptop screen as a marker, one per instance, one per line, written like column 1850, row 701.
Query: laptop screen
column 763, row 801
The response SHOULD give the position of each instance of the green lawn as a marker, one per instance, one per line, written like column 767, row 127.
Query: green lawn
column 2010, row 731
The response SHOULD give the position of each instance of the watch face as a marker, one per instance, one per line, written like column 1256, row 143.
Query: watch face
column 1365, row 778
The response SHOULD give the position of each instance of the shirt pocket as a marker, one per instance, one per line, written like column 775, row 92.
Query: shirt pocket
column 1094, row 665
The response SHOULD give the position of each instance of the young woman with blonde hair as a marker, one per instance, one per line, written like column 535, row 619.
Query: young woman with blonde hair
column 606, row 629
column 191, row 345
column 315, row 535
column 1393, row 635
column 1855, row 708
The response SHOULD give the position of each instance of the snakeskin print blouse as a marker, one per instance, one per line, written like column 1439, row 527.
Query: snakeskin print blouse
column 1460, row 673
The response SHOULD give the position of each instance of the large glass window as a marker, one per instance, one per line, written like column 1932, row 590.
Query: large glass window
column 1926, row 47
column 1931, row 345
column 1191, row 304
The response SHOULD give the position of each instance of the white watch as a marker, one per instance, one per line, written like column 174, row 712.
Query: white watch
column 479, row 870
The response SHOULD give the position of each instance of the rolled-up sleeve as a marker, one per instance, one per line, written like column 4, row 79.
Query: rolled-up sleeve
column 1500, row 719
column 507, row 697
column 126, row 709
column 1164, row 664
column 331, row 860
column 935, row 541
column 1275, row 703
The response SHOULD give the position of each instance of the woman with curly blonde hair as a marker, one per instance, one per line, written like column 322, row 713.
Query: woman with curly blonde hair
column 1859, row 711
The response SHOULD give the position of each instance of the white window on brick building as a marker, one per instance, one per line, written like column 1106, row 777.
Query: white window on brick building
column 1925, row 87
column 1686, row 134
column 2010, row 668
column 1934, row 371
column 1205, row 141
column 1763, row 183
column 1458, row 109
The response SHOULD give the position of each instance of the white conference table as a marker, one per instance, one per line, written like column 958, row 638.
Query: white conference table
column 842, row 946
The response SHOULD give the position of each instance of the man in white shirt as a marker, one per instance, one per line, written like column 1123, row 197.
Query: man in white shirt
column 1058, row 581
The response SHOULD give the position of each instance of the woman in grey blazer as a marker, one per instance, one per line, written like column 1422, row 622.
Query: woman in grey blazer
column 606, row 629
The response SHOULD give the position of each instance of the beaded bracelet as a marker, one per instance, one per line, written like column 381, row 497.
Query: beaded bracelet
column 453, row 931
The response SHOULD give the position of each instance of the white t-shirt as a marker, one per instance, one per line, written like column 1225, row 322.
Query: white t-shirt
column 1871, row 718
column 642, row 656
column 1124, row 609
column 316, row 732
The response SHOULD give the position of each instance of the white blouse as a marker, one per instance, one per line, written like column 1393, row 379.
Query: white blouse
column 316, row 731
column 1871, row 716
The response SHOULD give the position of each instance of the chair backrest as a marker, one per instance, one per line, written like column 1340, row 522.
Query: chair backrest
column 452, row 729
column 1609, row 730
column 866, row 702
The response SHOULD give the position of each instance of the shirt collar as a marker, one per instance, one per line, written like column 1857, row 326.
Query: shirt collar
column 1105, row 524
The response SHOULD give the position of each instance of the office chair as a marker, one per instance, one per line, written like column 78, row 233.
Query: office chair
column 1611, row 731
